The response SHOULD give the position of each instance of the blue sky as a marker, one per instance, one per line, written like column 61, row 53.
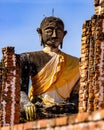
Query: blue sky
column 19, row 20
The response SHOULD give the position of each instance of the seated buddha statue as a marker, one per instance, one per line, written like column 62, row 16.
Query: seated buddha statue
column 54, row 75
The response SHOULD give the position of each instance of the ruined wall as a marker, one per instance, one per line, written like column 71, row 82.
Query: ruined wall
column 80, row 121
column 91, row 94
column 10, row 87
column 0, row 93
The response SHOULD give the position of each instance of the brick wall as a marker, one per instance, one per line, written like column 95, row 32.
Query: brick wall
column 10, row 87
column 80, row 121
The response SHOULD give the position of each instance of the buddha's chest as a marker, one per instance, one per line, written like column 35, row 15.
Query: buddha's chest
column 37, row 62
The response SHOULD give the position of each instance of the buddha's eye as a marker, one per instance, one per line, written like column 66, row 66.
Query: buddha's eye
column 59, row 31
column 49, row 31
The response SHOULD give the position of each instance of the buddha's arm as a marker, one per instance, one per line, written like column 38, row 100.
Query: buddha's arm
column 74, row 97
column 25, row 69
column 27, row 110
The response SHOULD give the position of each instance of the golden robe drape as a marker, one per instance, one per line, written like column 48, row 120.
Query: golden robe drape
column 61, row 69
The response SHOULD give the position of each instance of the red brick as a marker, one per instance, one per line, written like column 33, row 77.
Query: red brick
column 61, row 121
column 81, row 117
column 14, row 127
column 19, row 127
column 57, row 128
column 43, row 123
column 27, row 125
column 70, row 127
column 84, row 126
column 91, row 125
column 99, row 125
column 35, row 124
column 77, row 127
column 5, row 128
column 64, row 128
column 97, row 115
column 51, row 122
column 71, row 119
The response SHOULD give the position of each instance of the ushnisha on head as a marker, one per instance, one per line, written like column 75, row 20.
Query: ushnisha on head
column 51, row 32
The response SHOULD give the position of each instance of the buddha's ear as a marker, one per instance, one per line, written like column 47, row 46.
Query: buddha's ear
column 65, row 32
column 39, row 30
column 40, row 35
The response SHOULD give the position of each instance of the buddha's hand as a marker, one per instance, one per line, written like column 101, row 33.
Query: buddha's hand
column 30, row 111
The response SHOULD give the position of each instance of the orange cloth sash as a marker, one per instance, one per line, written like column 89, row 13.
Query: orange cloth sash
column 60, row 69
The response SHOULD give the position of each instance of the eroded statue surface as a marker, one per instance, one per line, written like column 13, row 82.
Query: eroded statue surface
column 53, row 73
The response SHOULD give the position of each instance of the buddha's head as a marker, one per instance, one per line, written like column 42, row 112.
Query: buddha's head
column 51, row 31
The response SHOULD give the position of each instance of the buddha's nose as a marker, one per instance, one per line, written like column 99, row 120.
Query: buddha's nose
column 54, row 33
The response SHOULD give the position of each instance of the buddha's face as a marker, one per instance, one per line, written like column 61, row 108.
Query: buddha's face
column 53, row 34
